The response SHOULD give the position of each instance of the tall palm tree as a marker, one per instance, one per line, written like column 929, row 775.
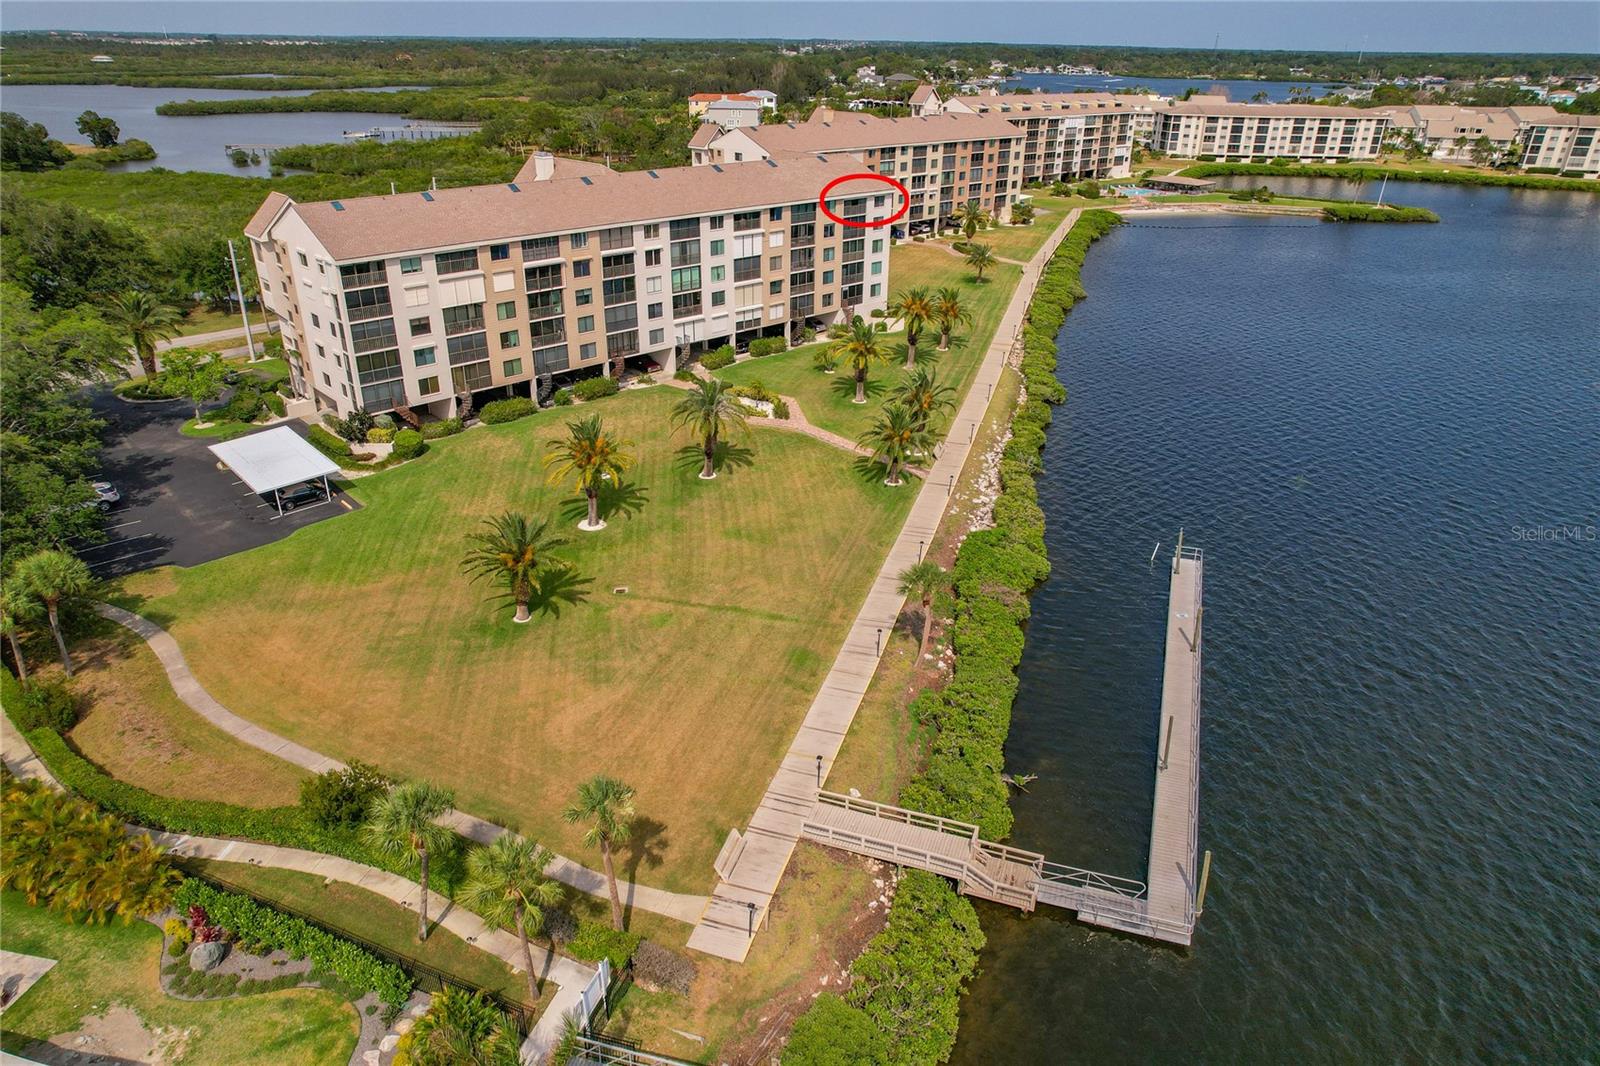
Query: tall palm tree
column 971, row 217
column 606, row 804
column 949, row 312
column 894, row 438
column 914, row 307
column 402, row 822
column 506, row 886
column 460, row 1028
column 52, row 578
column 923, row 580
column 514, row 549
column 17, row 611
column 924, row 395
column 589, row 453
column 710, row 411
column 980, row 258
column 859, row 347
column 146, row 320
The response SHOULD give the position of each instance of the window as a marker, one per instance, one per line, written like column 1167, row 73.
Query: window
column 775, row 215
column 321, row 353
column 877, row 290
column 652, row 257
column 827, row 277
column 428, row 386
column 652, row 230
column 657, row 336
column 746, row 220
column 877, row 266
column 617, row 237
column 827, row 255
column 652, row 284
column 586, row 351
column 370, row 336
column 549, row 360
column 624, row 317
column 424, row 356
column 877, row 245
column 504, row 281
column 618, row 291
column 578, row 240
column 509, row 339
column 315, row 321
column 775, row 263
column 586, row 324
column 544, row 304
column 583, row 297
column 303, row 261
column 685, row 278
column 683, row 228
column 505, row 310
column 455, row 262
column 419, row 326
column 715, row 222
column 326, row 380
column 718, row 247
column 719, row 297
column 775, row 287
column 511, row 367
column 827, row 229
column 417, row 297
column 499, row 251
column 539, row 278
column 463, row 319
column 719, row 273
column 468, row 349
column 654, row 310
column 581, row 268
column 540, row 248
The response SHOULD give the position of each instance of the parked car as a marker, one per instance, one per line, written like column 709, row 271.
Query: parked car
column 301, row 495
column 106, row 495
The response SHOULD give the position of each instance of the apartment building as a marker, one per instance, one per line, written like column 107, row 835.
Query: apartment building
column 1555, row 141
column 1213, row 126
column 944, row 160
column 424, row 302
column 1453, row 133
column 1066, row 136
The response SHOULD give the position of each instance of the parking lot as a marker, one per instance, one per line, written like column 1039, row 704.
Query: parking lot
column 177, row 506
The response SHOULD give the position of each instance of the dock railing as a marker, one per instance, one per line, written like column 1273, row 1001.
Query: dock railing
column 920, row 819
column 1057, row 874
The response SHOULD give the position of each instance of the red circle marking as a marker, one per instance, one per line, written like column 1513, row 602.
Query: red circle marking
column 905, row 200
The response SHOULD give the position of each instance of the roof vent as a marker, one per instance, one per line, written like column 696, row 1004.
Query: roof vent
column 822, row 157
column 586, row 181
column 513, row 187
column 428, row 196
column 772, row 163
column 716, row 167
column 653, row 174
column 337, row 206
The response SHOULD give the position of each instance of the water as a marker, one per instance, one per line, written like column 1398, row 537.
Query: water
column 1401, row 694
column 184, row 142
column 1237, row 90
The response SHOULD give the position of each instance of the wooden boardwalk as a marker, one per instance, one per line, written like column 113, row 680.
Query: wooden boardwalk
column 753, row 862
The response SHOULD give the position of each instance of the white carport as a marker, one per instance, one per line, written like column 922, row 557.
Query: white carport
column 273, row 460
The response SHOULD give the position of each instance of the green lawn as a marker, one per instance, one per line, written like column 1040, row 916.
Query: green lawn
column 374, row 918
column 360, row 637
column 116, row 967
column 826, row 399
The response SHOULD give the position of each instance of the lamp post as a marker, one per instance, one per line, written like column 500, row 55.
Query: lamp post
column 880, row 641
column 819, row 773
column 752, row 922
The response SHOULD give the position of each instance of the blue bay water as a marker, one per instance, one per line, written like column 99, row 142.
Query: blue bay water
column 1365, row 427
column 1237, row 89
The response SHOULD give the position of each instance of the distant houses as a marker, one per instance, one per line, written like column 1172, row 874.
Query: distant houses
column 734, row 110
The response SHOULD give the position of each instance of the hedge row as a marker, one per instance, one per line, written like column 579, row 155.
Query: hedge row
column 1368, row 173
column 288, row 827
column 907, row 984
column 250, row 921
column 1374, row 213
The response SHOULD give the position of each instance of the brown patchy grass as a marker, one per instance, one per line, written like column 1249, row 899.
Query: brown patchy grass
column 359, row 637
column 135, row 729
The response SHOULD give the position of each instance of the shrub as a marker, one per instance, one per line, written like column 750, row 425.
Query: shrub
column 275, row 403
column 1355, row 172
column 408, row 444
column 718, row 358
column 919, row 238
column 657, row 969
column 1374, row 213
column 562, row 397
column 448, row 427
column 496, row 412
column 177, row 931
column 46, row 704
column 331, row 446
column 379, row 435
column 877, row 312
column 595, row 388
column 807, row 335
column 595, row 941
column 683, row 375
column 354, row 428
column 247, row 919
column 1089, row 190
column 560, row 926
column 780, row 408
column 833, row 1033
column 754, row 391
column 341, row 798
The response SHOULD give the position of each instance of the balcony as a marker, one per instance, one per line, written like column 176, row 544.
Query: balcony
column 617, row 266
column 744, row 221
column 623, row 344
column 362, row 275
column 750, row 272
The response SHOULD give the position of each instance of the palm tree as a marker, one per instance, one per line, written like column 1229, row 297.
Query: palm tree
column 924, row 395
column 52, row 578
column 514, row 549
column 894, row 438
column 914, row 307
column 507, row 886
column 923, row 580
column 710, row 411
column 17, row 610
column 949, row 312
column 980, row 258
column 859, row 348
column 146, row 320
column 460, row 1028
column 825, row 359
column 589, row 453
column 402, row 822
column 607, row 805
column 972, row 217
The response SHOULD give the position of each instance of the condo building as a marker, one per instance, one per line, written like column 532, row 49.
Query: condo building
column 1552, row 140
column 1212, row 126
column 1452, row 133
column 1066, row 136
column 944, row 160
column 1538, row 136
column 424, row 303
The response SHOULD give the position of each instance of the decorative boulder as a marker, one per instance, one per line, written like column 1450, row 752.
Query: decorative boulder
column 205, row 957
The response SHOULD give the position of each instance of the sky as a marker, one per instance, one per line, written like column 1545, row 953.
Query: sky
column 1323, row 25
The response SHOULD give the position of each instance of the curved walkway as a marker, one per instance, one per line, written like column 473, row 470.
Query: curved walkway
column 683, row 907
column 570, row 977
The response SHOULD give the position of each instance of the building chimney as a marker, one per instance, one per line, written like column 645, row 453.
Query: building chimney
column 544, row 166
column 824, row 114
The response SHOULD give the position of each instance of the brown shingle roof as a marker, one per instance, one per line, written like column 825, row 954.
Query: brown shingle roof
column 368, row 227
column 720, row 96
column 1047, row 102
column 708, row 132
column 923, row 93
column 1197, row 106
column 265, row 214
column 850, row 132
column 563, row 168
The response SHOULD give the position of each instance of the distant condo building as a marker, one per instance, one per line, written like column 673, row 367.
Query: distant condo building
column 944, row 160
column 1066, row 136
column 1309, row 133
column 423, row 302
column 1535, row 137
